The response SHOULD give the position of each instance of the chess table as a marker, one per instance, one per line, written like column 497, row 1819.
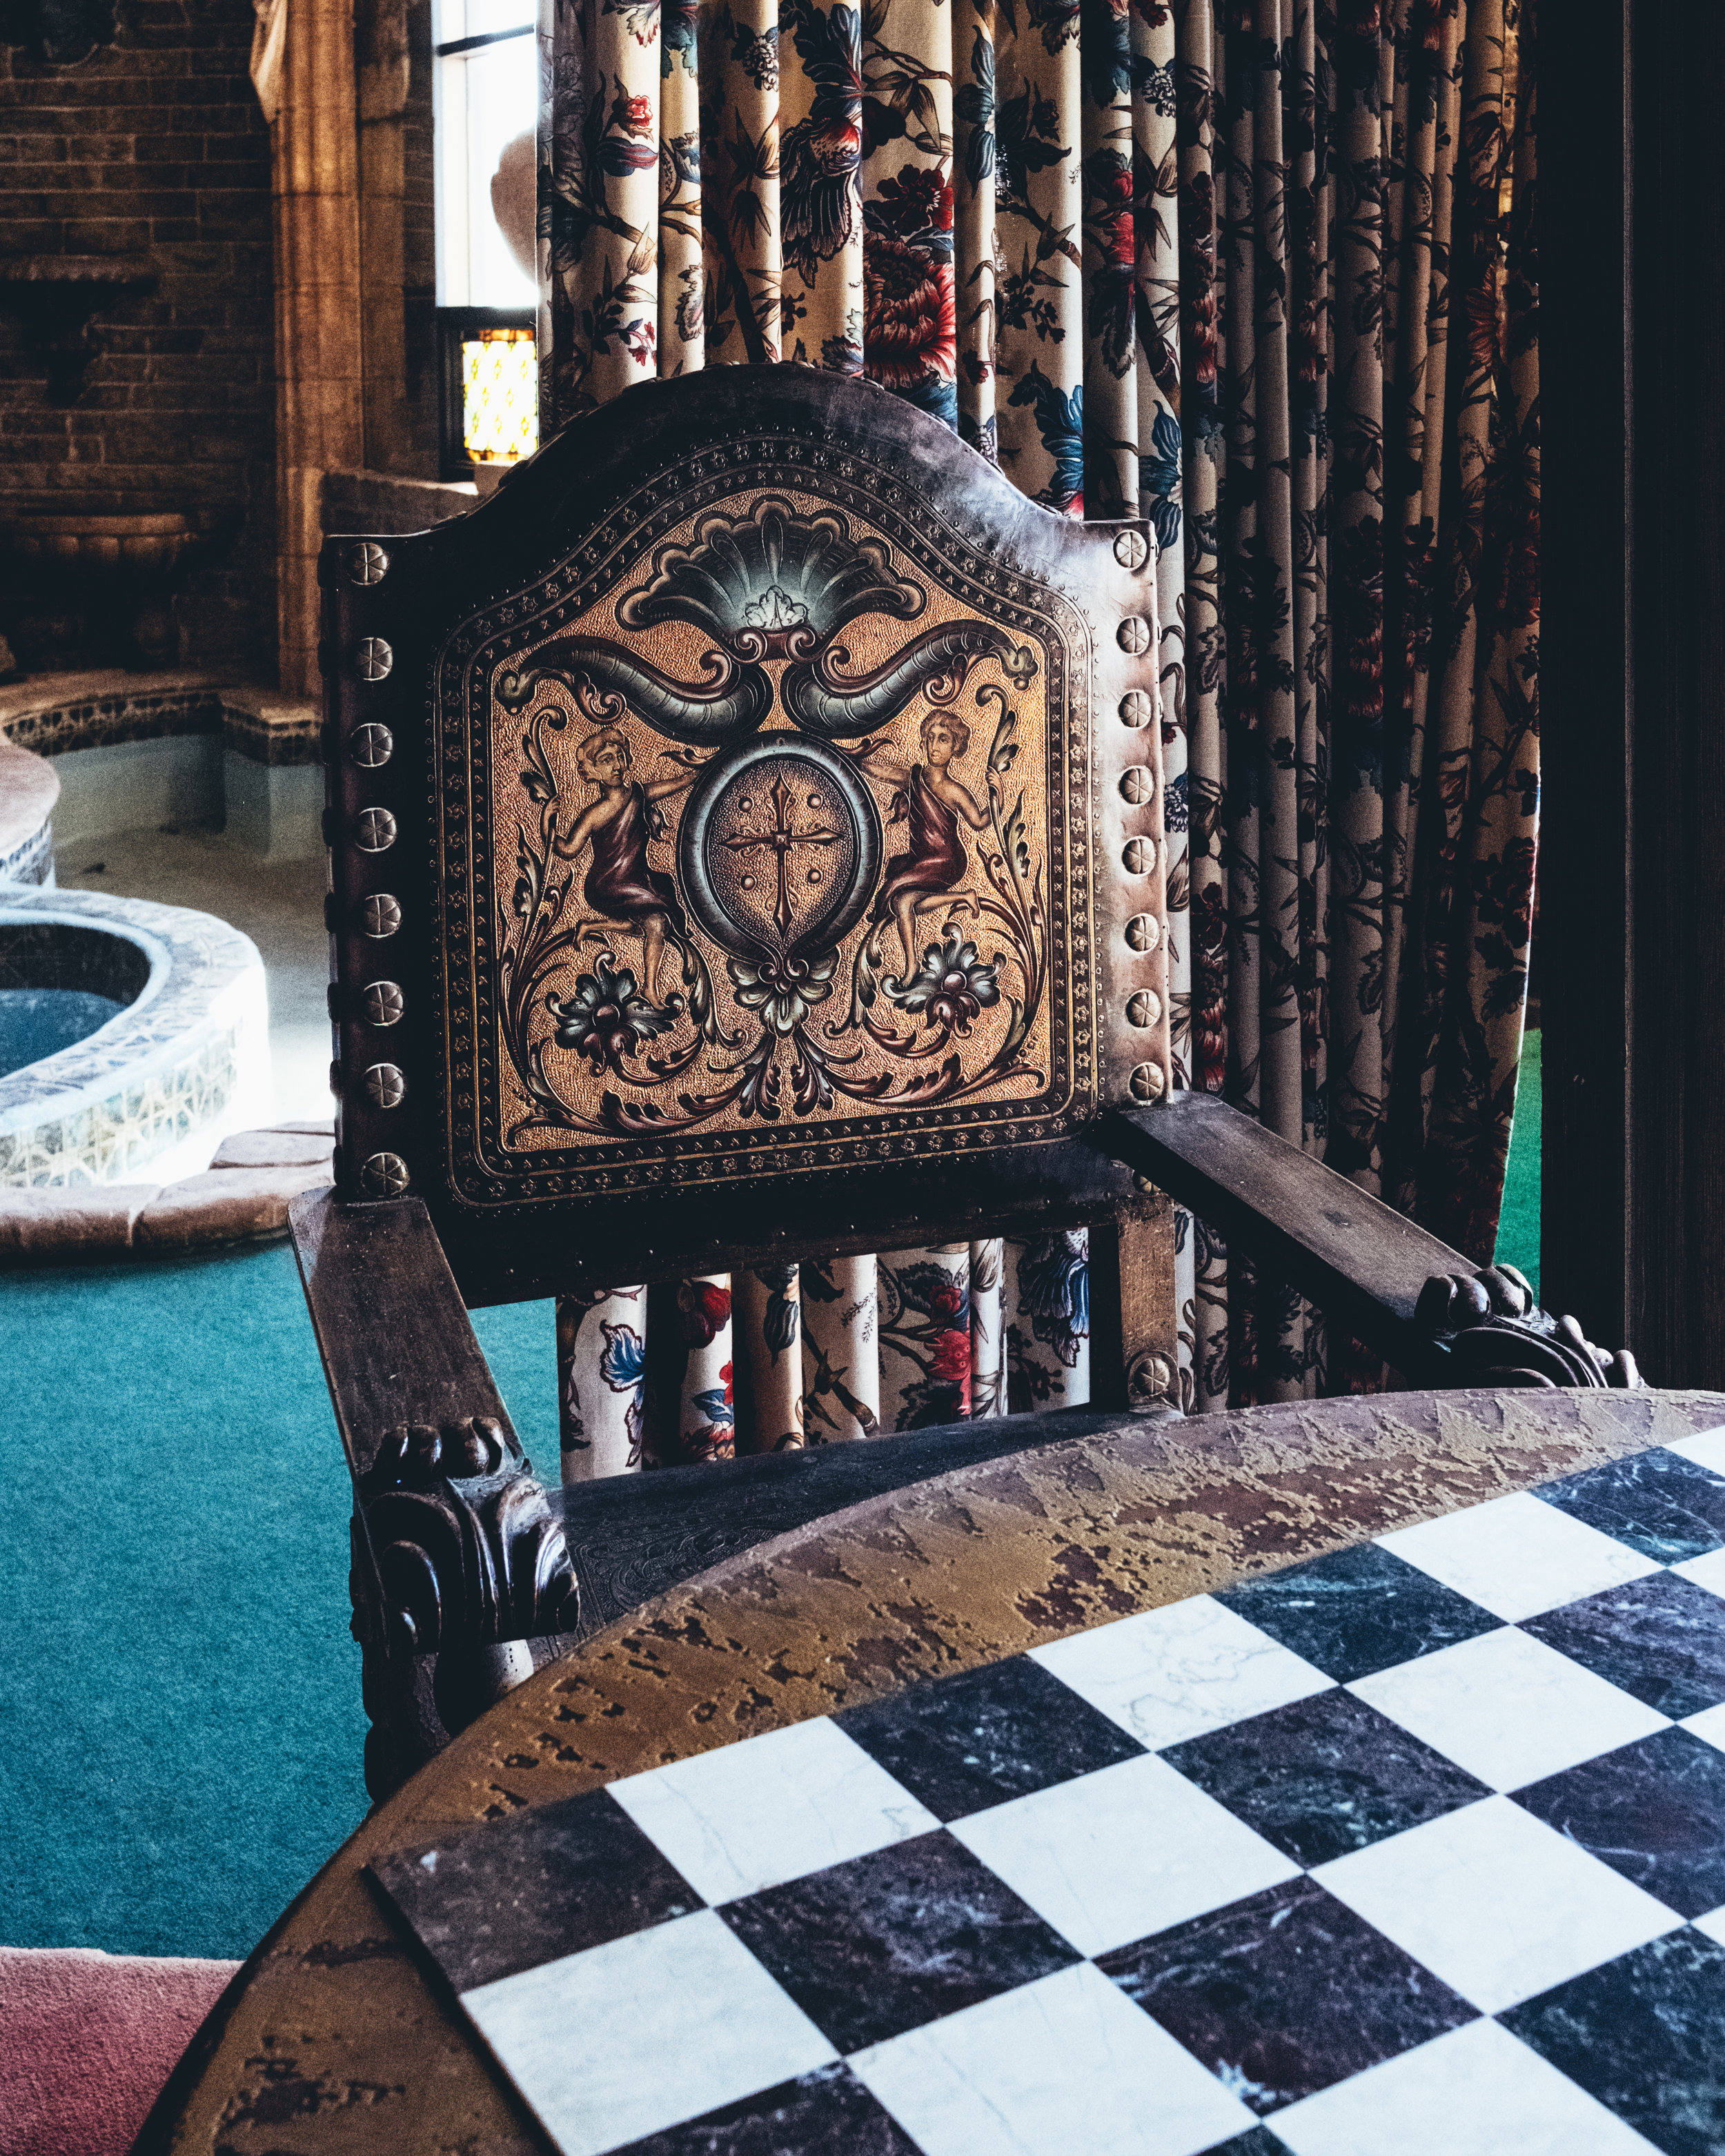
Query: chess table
column 1327, row 1778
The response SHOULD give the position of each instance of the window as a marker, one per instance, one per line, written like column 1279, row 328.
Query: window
column 485, row 108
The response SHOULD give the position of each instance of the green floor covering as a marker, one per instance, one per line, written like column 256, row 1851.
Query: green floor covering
column 1518, row 1223
column 179, row 1725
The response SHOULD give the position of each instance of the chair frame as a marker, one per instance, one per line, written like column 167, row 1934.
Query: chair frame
column 462, row 1571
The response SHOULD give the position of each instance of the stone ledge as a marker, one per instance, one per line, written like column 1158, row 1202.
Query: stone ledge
column 281, row 1146
column 383, row 503
column 29, row 788
column 55, row 714
column 242, row 1198
column 226, row 1205
column 87, row 1220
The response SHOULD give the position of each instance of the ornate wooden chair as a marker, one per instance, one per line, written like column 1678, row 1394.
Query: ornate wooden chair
column 745, row 844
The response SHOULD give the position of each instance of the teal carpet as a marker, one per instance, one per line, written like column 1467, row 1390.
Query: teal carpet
column 179, row 1725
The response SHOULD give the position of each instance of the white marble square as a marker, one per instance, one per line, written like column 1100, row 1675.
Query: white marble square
column 1476, row 2091
column 1507, row 1708
column 1127, row 1850
column 1495, row 1902
column 640, row 2034
column 1708, row 1571
column 1707, row 1447
column 1516, row 1555
column 1713, row 1924
column 773, row 1808
column 1709, row 1725
column 1068, row 2063
column 1173, row 1673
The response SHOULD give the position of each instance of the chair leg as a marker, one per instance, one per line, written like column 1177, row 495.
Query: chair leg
column 1134, row 1317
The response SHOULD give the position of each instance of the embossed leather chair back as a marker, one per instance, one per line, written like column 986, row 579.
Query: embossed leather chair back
column 745, row 832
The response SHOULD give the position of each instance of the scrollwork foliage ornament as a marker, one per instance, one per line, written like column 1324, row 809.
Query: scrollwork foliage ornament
column 771, row 572
column 856, row 970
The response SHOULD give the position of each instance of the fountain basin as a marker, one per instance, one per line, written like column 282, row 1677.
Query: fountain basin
column 184, row 1056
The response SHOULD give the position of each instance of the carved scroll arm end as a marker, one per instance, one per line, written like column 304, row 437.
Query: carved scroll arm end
column 467, row 1553
column 1497, row 1334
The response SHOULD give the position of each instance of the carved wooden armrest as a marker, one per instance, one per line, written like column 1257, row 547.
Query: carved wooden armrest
column 458, row 1560
column 1430, row 1314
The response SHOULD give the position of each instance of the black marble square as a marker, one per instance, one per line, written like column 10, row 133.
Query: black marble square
column 887, row 1941
column 1260, row 2142
column 1654, row 1810
column 1662, row 1638
column 1325, row 1775
column 828, row 2109
column 1659, row 1503
column 971, row 1742
column 1646, row 2035
column 492, row 1901
column 1358, row 1610
column 1284, row 1994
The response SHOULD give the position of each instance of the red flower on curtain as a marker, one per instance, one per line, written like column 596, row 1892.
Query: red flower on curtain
column 909, row 331
column 706, row 1308
column 920, row 200
column 951, row 1359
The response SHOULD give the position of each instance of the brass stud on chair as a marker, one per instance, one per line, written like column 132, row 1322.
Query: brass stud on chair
column 367, row 563
column 1130, row 549
column 1144, row 931
column 1139, row 785
column 1150, row 1378
column 374, row 831
column 380, row 915
column 373, row 746
column 385, row 1085
column 385, row 1003
column 1136, row 709
column 384, row 1175
column 1149, row 1082
column 1144, row 1007
column 1139, row 856
column 372, row 659
column 1133, row 635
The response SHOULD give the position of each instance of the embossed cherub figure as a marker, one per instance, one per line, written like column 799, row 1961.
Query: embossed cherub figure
column 621, row 883
column 935, row 862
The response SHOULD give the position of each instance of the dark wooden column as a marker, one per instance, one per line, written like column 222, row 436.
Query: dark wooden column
column 1633, row 860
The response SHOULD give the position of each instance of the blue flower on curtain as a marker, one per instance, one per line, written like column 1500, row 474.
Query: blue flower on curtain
column 1159, row 478
column 1060, row 421
column 778, row 1321
column 678, row 23
column 1054, row 1289
column 974, row 105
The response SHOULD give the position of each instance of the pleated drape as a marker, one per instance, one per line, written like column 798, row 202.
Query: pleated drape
column 1198, row 263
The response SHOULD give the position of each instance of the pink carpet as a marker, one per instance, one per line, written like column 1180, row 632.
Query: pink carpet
column 86, row 2041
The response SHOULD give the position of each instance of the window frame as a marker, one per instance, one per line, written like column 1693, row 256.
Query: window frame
column 452, row 214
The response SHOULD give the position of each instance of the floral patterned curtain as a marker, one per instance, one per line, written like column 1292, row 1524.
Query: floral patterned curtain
column 1197, row 260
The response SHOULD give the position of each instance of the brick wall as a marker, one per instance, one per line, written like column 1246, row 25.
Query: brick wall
column 151, row 150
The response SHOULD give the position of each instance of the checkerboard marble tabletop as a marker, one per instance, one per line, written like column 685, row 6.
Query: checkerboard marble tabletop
column 1415, row 1848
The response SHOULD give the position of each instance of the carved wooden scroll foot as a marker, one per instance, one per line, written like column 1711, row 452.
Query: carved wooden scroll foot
column 1497, row 1335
